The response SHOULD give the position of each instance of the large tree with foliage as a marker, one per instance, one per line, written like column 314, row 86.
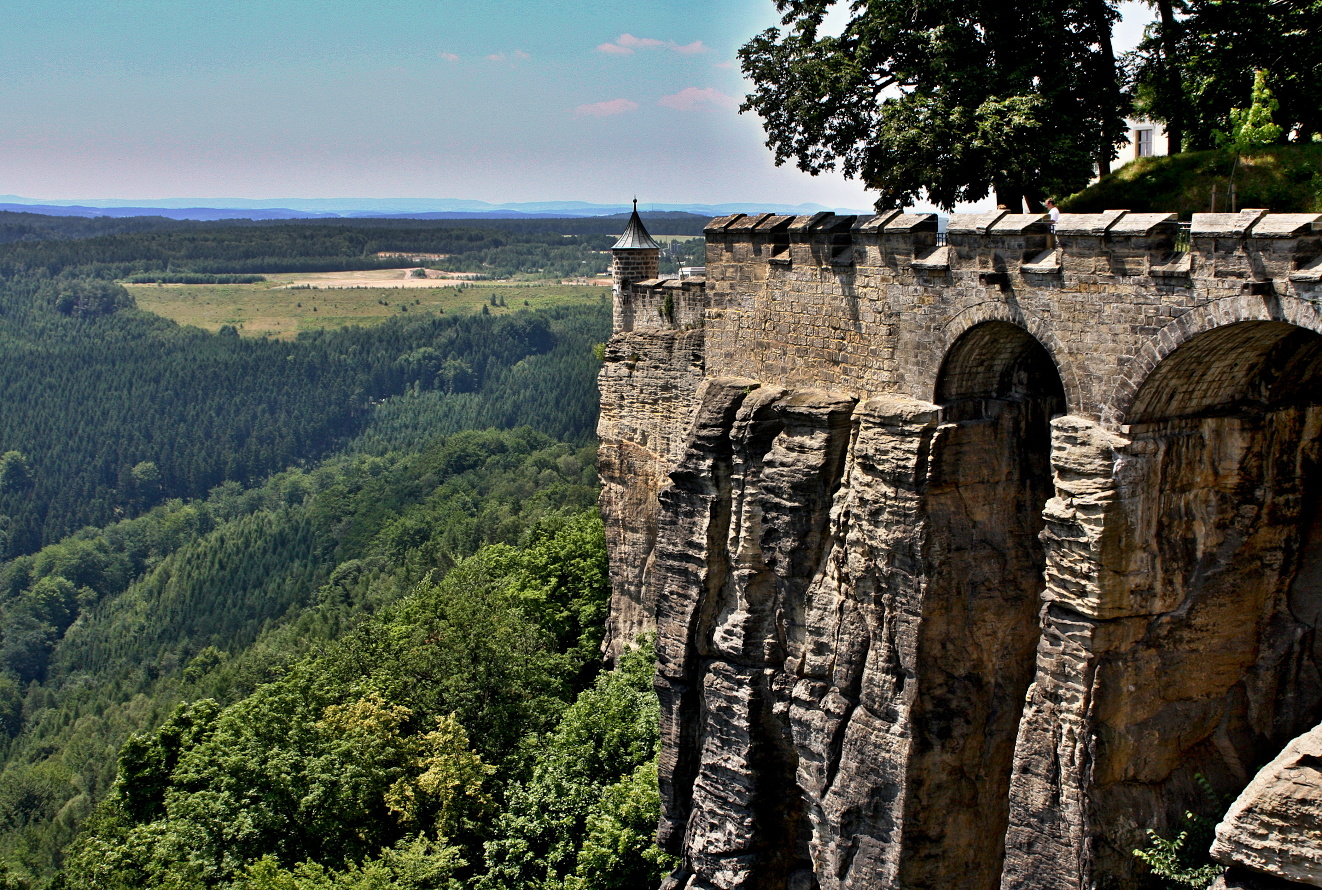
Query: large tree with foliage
column 949, row 98
column 1198, row 63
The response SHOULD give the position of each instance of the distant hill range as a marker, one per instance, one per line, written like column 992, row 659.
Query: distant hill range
column 379, row 208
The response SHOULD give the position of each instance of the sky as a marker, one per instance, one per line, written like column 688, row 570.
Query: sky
column 491, row 100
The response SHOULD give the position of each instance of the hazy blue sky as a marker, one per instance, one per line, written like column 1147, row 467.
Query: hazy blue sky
column 496, row 100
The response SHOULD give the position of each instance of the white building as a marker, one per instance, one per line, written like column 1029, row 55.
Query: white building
column 1146, row 139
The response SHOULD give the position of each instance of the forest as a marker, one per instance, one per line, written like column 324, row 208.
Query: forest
column 105, row 410
column 218, row 252
column 322, row 613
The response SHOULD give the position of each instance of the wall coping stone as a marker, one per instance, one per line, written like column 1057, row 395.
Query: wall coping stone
column 973, row 223
column 1045, row 263
column 1132, row 224
column 716, row 226
column 806, row 223
column 911, row 222
column 1310, row 274
column 1094, row 224
column 1286, row 225
column 748, row 222
column 772, row 222
column 1020, row 224
column 1180, row 266
column 1224, row 225
column 870, row 225
column 935, row 260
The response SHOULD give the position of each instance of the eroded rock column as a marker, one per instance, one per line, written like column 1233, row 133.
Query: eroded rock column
column 855, row 656
column 742, row 531
column 1048, row 837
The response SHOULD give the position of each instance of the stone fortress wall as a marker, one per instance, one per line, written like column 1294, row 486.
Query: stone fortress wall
column 967, row 560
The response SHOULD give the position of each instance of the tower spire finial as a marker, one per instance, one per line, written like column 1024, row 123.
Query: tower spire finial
column 635, row 203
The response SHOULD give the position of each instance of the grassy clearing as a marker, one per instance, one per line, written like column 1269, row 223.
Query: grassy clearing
column 287, row 304
column 1282, row 178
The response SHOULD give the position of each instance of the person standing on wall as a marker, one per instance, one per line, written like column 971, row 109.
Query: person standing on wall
column 1054, row 212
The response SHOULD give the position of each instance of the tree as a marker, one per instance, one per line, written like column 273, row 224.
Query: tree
column 943, row 98
column 1167, row 44
column 1252, row 127
column 586, row 819
column 146, row 479
column 15, row 474
column 1191, row 70
column 90, row 299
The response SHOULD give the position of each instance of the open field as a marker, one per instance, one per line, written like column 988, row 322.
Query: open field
column 386, row 278
column 288, row 303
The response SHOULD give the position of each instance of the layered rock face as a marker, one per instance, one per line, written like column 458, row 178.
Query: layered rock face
column 1272, row 827
column 648, row 391
column 966, row 561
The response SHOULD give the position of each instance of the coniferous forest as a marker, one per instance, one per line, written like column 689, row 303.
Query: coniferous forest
column 321, row 613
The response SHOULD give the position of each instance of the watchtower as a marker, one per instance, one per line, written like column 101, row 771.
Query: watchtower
column 636, row 255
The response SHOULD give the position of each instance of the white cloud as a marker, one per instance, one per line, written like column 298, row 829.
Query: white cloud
column 606, row 109
column 496, row 57
column 692, row 97
column 517, row 56
column 450, row 57
column 724, row 66
column 642, row 42
column 626, row 44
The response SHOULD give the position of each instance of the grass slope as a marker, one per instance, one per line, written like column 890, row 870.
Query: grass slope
column 1282, row 178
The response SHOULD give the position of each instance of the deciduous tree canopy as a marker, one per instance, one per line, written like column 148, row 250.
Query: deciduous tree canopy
column 940, row 97
column 1199, row 62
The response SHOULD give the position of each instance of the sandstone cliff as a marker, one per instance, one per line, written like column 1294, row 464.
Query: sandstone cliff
column 967, row 560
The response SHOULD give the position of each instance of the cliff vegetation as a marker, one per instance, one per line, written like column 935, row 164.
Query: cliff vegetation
column 1281, row 178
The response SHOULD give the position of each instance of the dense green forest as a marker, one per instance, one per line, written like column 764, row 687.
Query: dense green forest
column 105, row 411
column 309, row 614
column 290, row 248
column 17, row 226
column 182, row 251
column 346, row 571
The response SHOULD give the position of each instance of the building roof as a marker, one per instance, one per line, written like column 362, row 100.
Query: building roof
column 635, row 235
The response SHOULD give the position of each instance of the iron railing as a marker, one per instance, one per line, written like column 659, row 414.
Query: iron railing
column 1183, row 240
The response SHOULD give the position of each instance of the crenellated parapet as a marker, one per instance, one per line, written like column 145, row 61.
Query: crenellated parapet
column 1254, row 248
column 1220, row 255
column 661, row 304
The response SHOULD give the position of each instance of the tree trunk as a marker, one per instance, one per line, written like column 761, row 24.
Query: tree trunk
column 1009, row 196
column 1171, row 70
column 1110, row 75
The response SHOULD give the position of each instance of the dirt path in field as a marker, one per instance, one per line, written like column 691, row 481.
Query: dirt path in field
column 378, row 278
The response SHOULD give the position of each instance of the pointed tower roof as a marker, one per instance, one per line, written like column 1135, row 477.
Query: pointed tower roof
column 635, row 235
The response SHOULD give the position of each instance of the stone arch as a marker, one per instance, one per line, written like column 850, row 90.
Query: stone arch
column 988, row 479
column 998, row 311
column 1200, row 320
column 1218, row 537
